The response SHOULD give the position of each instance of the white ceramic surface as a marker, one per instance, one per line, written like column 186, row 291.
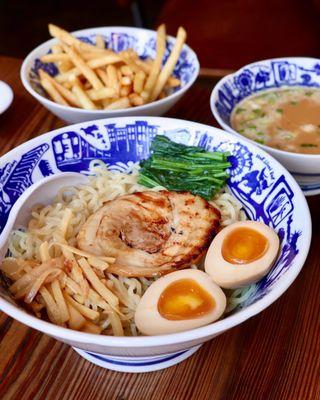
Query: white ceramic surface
column 6, row 96
column 143, row 41
column 271, row 74
column 41, row 192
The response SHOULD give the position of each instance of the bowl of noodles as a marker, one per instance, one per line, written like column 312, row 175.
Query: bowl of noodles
column 73, row 274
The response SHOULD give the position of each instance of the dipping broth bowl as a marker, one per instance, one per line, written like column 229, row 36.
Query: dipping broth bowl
column 143, row 41
column 271, row 74
column 276, row 200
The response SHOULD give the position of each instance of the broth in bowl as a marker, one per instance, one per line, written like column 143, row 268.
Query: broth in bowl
column 285, row 119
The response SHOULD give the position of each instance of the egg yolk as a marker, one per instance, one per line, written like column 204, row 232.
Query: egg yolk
column 244, row 245
column 184, row 299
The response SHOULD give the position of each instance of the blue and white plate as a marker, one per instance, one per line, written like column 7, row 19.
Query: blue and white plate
column 264, row 75
column 6, row 96
column 266, row 190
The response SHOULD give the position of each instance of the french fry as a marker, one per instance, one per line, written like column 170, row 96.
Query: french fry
column 125, row 90
column 49, row 58
column 56, row 49
column 75, row 80
column 145, row 95
column 83, row 99
column 103, row 76
column 93, row 64
column 92, row 55
column 83, row 67
column 94, row 77
column 145, row 67
column 100, row 42
column 87, row 56
column 63, row 66
column 87, row 85
column 100, row 94
column 123, row 102
column 139, row 82
column 125, row 80
column 173, row 82
column 102, row 61
column 126, row 71
column 70, row 40
column 170, row 64
column 67, row 84
column 106, row 103
column 67, row 94
column 127, row 59
column 113, row 79
column 136, row 100
column 51, row 90
column 155, row 70
column 68, row 76
column 119, row 74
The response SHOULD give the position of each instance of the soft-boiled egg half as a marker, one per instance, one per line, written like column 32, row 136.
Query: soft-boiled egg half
column 179, row 301
column 241, row 253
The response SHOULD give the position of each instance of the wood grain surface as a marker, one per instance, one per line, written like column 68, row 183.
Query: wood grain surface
column 275, row 355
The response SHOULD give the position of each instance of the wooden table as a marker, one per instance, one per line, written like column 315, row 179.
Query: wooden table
column 275, row 355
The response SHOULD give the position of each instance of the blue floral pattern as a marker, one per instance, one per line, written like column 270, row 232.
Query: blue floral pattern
column 263, row 191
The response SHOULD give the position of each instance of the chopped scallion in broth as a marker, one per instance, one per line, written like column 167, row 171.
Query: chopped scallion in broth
column 286, row 119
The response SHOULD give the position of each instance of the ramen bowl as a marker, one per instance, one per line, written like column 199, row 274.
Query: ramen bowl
column 271, row 74
column 143, row 41
column 266, row 190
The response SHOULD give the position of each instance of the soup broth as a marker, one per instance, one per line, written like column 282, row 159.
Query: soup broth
column 286, row 119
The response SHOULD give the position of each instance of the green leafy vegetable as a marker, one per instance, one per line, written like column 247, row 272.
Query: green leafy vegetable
column 184, row 168
column 258, row 112
column 259, row 141
column 239, row 110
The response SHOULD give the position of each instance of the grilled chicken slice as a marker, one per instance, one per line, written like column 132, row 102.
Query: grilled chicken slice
column 150, row 233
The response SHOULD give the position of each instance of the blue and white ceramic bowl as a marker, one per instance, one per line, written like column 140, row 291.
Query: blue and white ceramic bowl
column 143, row 41
column 271, row 74
column 266, row 190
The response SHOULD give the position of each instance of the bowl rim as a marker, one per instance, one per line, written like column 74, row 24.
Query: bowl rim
column 213, row 329
column 32, row 55
column 224, row 125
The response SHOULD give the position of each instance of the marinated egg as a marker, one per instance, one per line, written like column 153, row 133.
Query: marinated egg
column 179, row 301
column 241, row 253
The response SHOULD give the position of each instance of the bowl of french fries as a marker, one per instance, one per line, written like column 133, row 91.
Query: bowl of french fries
column 109, row 72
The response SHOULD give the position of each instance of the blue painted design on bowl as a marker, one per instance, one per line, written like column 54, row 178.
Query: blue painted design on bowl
column 269, row 74
column 255, row 179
